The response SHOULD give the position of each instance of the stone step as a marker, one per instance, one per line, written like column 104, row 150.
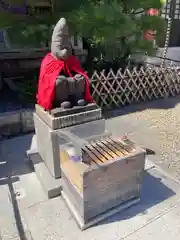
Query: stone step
column 51, row 186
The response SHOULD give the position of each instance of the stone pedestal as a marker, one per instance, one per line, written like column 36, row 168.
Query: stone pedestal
column 95, row 190
column 47, row 144
column 83, row 120
column 44, row 154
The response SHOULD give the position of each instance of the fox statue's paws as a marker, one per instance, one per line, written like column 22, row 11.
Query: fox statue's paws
column 81, row 102
column 65, row 105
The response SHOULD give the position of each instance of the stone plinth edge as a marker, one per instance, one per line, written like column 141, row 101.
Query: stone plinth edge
column 16, row 122
column 52, row 187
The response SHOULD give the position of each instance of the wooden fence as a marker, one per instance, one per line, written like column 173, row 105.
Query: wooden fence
column 134, row 85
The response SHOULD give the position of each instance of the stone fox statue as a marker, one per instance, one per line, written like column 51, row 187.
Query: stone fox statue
column 62, row 81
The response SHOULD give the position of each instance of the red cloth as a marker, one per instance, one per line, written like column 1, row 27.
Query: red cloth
column 49, row 71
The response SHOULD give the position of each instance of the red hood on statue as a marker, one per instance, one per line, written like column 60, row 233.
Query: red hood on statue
column 49, row 71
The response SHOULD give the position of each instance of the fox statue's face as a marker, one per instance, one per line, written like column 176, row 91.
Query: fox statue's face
column 60, row 44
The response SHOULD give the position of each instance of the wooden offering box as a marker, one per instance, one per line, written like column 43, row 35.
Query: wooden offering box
column 105, row 179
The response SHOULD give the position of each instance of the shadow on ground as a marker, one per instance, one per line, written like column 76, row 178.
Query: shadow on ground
column 165, row 103
column 154, row 192
column 156, row 188
column 13, row 198
column 13, row 155
column 10, row 101
column 12, row 165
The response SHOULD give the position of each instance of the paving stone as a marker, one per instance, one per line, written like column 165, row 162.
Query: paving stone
column 51, row 186
column 52, row 220
column 156, row 126
column 126, row 125
column 19, row 189
column 12, row 223
column 166, row 227
column 8, row 226
column 165, row 144
column 27, row 184
column 29, row 190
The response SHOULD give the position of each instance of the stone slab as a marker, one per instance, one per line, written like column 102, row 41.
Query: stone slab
column 98, row 188
column 59, row 112
column 10, row 123
column 19, row 189
column 166, row 227
column 100, row 217
column 8, row 227
column 12, row 223
column 159, row 195
column 51, row 186
column 126, row 124
column 24, row 180
column 47, row 145
column 68, row 120
column 26, row 188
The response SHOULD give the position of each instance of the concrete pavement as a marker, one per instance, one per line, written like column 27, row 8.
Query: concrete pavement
column 154, row 125
column 26, row 213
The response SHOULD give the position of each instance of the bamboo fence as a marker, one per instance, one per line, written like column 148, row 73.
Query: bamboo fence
column 111, row 90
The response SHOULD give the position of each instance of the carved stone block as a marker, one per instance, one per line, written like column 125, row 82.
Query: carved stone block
column 66, row 118
column 96, row 191
column 46, row 129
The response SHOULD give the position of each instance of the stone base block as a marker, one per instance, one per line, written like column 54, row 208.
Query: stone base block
column 71, row 117
column 99, row 218
column 107, row 179
column 48, row 145
column 51, row 186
